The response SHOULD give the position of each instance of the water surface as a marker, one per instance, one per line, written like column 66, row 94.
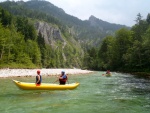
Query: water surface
column 121, row 93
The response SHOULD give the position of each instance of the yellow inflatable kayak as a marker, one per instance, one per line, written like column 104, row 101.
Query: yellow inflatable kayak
column 45, row 86
column 108, row 75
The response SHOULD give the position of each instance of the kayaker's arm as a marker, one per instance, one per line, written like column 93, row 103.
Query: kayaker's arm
column 60, row 78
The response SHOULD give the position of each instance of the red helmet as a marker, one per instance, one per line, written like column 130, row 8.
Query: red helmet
column 38, row 71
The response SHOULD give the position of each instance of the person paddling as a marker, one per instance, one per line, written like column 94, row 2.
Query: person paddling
column 38, row 78
column 62, row 78
column 107, row 73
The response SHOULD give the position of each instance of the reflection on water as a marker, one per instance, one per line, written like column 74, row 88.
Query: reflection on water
column 121, row 93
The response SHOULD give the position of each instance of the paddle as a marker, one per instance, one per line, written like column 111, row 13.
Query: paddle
column 103, row 74
column 56, row 79
column 67, row 78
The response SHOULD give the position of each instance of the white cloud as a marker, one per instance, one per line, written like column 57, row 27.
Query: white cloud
column 114, row 11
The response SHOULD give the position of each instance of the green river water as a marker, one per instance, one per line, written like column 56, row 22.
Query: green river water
column 121, row 93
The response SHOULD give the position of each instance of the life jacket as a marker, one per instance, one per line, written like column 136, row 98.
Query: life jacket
column 40, row 79
column 63, row 81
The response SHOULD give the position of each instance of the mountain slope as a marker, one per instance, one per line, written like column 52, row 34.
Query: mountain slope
column 91, row 31
column 83, row 30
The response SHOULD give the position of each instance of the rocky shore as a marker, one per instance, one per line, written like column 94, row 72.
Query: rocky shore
column 44, row 72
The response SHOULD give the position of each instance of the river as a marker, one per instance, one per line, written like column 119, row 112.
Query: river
column 121, row 93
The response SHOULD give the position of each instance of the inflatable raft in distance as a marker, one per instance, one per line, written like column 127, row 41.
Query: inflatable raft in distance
column 108, row 75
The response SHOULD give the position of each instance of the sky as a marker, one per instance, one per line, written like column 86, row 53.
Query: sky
column 122, row 12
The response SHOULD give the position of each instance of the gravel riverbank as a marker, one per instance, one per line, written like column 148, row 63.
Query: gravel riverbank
column 44, row 72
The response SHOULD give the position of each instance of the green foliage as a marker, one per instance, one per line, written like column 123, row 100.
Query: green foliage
column 122, row 43
column 13, row 48
column 5, row 17
column 139, row 18
column 91, row 59
column 26, row 28
column 148, row 18
column 12, row 51
column 106, row 52
column 33, row 51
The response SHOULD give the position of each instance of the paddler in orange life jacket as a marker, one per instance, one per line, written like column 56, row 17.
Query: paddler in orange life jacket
column 62, row 78
column 108, row 72
column 38, row 78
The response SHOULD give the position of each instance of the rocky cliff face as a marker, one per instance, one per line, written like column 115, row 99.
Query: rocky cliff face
column 66, row 46
column 50, row 33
